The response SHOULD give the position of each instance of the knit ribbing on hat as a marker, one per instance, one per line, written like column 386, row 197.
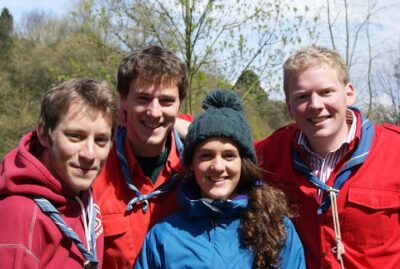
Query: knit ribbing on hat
column 223, row 116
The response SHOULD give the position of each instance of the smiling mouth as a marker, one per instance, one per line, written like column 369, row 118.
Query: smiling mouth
column 152, row 125
column 85, row 169
column 319, row 119
column 216, row 180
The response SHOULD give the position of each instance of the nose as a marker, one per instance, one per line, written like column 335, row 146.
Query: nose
column 154, row 109
column 217, row 165
column 87, row 150
column 315, row 101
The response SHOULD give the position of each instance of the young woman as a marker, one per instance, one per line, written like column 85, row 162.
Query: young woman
column 231, row 219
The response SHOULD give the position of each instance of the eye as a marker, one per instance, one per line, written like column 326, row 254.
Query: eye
column 326, row 92
column 205, row 156
column 102, row 141
column 74, row 137
column 142, row 99
column 301, row 97
column 230, row 155
column 167, row 101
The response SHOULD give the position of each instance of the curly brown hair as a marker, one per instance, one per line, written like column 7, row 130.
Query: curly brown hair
column 262, row 229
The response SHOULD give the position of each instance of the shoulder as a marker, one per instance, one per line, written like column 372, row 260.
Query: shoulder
column 387, row 133
column 172, row 227
column 291, row 234
column 287, row 223
column 20, row 211
column 174, row 221
column 279, row 141
column 186, row 117
column 292, row 253
column 18, row 205
column 19, row 217
column 391, row 128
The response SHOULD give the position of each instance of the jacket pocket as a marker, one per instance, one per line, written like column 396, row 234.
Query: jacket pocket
column 371, row 216
column 114, row 225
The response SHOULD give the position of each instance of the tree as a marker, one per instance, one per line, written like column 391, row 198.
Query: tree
column 350, row 25
column 222, row 38
column 250, row 84
column 6, row 31
column 264, row 115
column 388, row 78
column 44, row 54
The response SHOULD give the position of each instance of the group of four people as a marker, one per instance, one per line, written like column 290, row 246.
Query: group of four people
column 206, row 197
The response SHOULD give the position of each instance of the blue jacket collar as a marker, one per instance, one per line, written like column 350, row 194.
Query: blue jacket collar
column 190, row 198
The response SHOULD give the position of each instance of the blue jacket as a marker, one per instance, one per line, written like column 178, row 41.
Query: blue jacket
column 206, row 235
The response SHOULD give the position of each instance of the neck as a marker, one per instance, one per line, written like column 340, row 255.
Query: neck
column 144, row 150
column 324, row 145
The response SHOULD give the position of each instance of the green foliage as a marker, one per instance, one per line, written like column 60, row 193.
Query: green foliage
column 264, row 115
column 6, row 30
column 47, row 52
column 15, row 119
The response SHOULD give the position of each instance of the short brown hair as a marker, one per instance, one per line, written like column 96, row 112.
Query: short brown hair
column 152, row 63
column 95, row 94
column 314, row 56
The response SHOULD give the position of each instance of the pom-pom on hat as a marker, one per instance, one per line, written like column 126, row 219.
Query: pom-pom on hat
column 223, row 116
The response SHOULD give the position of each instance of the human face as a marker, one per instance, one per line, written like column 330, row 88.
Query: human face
column 317, row 101
column 217, row 166
column 77, row 148
column 151, row 110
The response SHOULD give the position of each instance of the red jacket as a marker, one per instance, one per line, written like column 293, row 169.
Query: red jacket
column 368, row 202
column 124, row 232
column 28, row 237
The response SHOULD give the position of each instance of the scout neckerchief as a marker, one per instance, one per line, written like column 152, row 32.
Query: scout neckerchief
column 357, row 158
column 46, row 206
column 142, row 198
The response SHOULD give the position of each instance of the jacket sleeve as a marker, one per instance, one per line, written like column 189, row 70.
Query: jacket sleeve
column 292, row 253
column 16, row 233
column 17, row 256
column 149, row 257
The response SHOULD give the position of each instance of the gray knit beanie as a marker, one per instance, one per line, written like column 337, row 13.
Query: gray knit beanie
column 223, row 116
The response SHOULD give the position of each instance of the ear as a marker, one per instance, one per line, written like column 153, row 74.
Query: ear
column 122, row 114
column 43, row 136
column 350, row 94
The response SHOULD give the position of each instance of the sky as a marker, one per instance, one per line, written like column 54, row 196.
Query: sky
column 387, row 21
column 20, row 7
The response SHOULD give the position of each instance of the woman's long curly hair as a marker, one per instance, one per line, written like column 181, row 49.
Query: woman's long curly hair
column 262, row 229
